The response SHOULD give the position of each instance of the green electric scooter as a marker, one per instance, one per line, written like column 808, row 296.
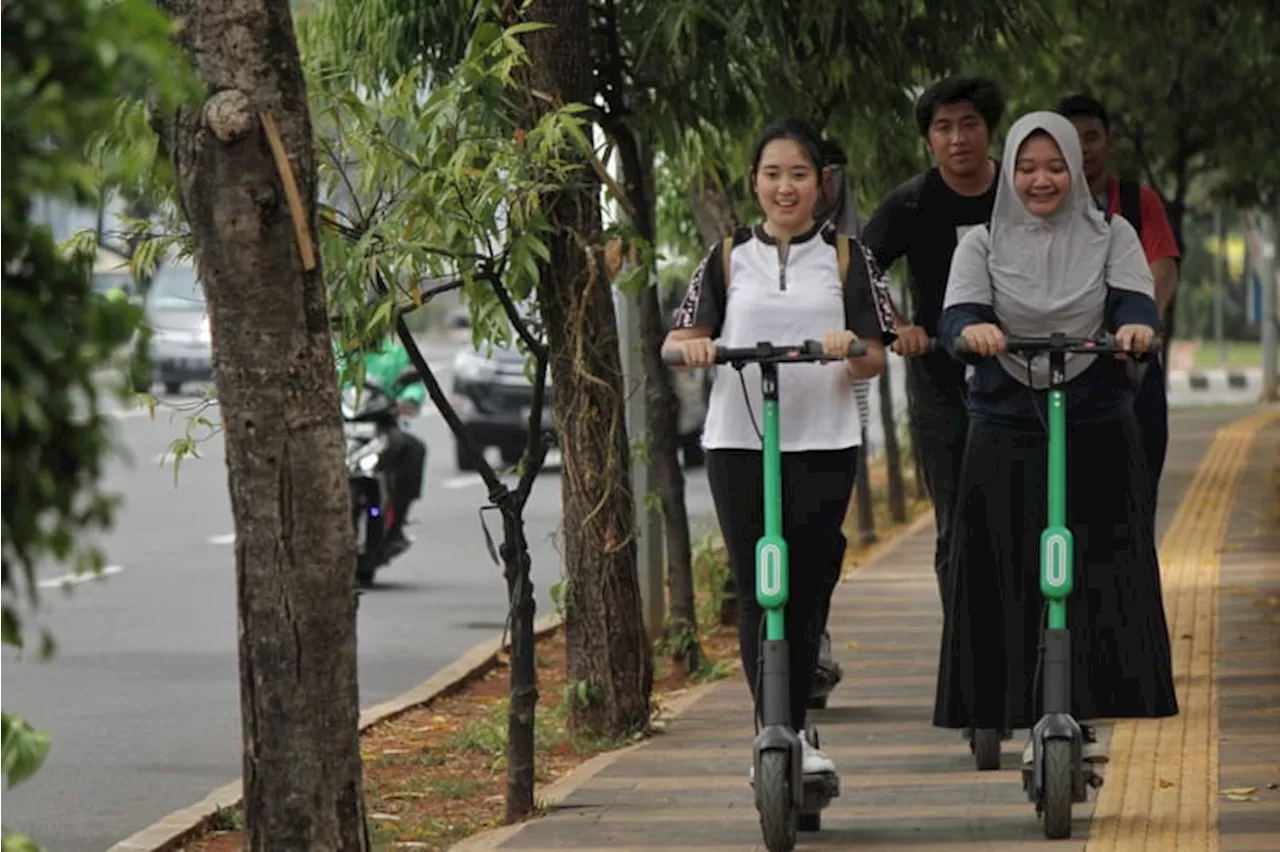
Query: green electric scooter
column 787, row 800
column 1058, row 778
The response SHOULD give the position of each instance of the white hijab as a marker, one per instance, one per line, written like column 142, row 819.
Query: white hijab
column 1043, row 274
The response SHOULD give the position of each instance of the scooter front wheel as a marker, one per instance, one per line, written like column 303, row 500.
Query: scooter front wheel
column 1056, row 795
column 778, row 816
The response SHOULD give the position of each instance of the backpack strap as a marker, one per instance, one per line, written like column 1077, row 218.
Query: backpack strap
column 1131, row 203
column 842, row 256
column 727, row 252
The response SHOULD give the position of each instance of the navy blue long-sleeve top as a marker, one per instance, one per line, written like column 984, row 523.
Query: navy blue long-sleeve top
column 1104, row 391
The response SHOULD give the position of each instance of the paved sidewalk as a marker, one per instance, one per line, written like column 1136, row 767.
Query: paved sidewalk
column 909, row 786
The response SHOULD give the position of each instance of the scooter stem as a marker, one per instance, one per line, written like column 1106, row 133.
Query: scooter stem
column 773, row 580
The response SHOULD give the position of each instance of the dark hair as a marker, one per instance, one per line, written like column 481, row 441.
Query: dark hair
column 833, row 154
column 1083, row 105
column 795, row 130
column 982, row 92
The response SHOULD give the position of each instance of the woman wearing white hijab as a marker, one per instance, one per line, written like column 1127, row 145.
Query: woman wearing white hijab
column 1049, row 261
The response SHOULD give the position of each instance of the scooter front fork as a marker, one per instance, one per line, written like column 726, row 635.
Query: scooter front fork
column 1057, row 721
column 776, row 732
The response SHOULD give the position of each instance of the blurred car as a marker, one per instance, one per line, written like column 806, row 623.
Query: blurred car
column 180, row 348
column 492, row 396
column 114, row 280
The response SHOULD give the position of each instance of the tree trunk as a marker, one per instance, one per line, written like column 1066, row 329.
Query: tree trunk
column 713, row 213
column 522, row 708
column 892, row 452
column 609, row 660
column 865, row 504
column 664, row 418
column 274, row 371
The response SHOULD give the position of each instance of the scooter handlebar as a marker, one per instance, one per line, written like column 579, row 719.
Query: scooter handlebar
column 807, row 352
column 1102, row 344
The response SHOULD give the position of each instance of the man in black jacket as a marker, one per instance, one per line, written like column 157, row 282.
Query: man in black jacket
column 923, row 220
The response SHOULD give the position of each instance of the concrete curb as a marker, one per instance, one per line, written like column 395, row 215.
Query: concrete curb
column 168, row 834
column 1216, row 379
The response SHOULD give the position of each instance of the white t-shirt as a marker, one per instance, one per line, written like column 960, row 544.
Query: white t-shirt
column 785, row 304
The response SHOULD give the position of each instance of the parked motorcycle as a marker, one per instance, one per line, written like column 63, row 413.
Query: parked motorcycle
column 370, row 418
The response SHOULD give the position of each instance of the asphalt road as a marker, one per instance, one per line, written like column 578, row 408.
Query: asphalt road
column 141, row 700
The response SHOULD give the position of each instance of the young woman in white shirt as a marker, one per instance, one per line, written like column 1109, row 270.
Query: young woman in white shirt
column 784, row 287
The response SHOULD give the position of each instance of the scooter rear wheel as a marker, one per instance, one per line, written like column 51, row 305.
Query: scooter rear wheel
column 986, row 749
column 1056, row 795
column 778, row 817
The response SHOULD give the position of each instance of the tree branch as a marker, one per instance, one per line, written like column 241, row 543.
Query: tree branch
column 536, row 449
column 537, row 347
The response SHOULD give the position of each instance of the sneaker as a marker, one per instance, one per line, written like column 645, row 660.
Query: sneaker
column 1029, row 755
column 1094, row 752
column 815, row 762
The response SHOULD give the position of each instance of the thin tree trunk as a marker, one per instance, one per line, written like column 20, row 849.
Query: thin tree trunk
column 522, row 708
column 862, row 490
column 892, row 452
column 609, row 660
column 664, row 418
column 275, row 376
column 713, row 213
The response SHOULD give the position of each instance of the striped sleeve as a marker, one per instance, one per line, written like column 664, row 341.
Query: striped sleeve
column 704, row 301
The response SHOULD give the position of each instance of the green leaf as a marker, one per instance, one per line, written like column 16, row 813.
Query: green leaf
column 24, row 749
column 14, row 842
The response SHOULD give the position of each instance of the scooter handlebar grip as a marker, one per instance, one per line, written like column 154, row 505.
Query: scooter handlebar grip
column 673, row 357
column 963, row 348
column 856, row 349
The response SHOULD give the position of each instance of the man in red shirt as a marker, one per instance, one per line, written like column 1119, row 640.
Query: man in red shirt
column 1145, row 211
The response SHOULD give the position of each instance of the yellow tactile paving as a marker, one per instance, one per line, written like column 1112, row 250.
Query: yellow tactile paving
column 1161, row 791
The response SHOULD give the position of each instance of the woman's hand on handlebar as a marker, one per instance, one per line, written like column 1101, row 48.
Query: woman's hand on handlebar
column 1134, row 338
column 984, row 338
column 835, row 344
column 912, row 341
column 698, row 351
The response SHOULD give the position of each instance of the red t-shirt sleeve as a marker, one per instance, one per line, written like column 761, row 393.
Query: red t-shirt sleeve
column 1157, row 236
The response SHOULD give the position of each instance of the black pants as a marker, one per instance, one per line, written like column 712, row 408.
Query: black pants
column 404, row 458
column 939, row 424
column 1151, row 409
column 815, row 495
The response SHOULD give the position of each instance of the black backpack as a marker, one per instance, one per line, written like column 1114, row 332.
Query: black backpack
column 1131, row 203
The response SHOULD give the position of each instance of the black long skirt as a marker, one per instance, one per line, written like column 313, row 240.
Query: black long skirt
column 1122, row 665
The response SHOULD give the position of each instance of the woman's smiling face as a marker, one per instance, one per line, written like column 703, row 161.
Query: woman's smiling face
column 787, row 187
column 1041, row 175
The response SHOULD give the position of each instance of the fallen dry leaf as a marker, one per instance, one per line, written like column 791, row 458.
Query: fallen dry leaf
column 1165, row 785
column 851, row 646
column 1240, row 791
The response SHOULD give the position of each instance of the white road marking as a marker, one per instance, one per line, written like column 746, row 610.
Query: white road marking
column 126, row 413
column 228, row 538
column 67, row 580
column 466, row 481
